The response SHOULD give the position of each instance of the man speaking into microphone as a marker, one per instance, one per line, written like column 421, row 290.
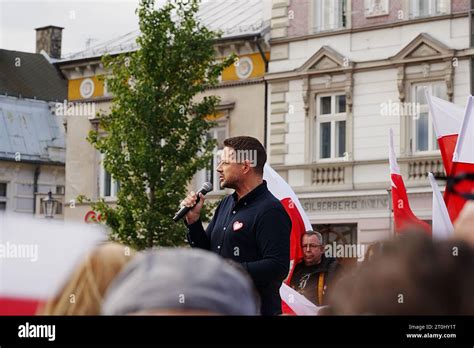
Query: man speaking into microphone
column 250, row 226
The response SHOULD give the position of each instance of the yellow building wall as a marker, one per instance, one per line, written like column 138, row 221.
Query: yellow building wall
column 230, row 74
column 74, row 87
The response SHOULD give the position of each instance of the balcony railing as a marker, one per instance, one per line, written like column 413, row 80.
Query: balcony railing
column 328, row 175
column 418, row 168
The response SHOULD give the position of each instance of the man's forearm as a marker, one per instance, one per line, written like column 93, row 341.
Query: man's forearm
column 197, row 237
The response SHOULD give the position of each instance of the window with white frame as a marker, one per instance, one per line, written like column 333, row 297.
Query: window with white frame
column 3, row 196
column 329, row 15
column 219, row 132
column 330, row 127
column 109, row 187
column 423, row 134
column 424, row 8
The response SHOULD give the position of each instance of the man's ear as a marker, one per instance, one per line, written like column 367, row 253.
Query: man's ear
column 247, row 166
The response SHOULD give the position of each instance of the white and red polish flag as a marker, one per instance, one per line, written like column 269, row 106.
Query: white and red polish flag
column 402, row 214
column 441, row 227
column 36, row 257
column 299, row 304
column 463, row 162
column 447, row 120
column 299, row 221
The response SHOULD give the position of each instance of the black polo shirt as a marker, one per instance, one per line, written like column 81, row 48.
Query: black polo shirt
column 254, row 231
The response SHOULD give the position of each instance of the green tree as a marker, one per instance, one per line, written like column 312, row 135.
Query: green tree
column 153, row 139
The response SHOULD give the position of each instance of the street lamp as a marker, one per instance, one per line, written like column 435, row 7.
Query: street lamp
column 49, row 206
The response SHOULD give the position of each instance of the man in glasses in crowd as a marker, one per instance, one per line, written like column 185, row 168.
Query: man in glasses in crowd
column 312, row 276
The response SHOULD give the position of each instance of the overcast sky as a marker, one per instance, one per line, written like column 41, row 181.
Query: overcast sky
column 82, row 20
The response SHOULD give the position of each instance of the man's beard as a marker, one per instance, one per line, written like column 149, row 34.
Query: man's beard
column 230, row 184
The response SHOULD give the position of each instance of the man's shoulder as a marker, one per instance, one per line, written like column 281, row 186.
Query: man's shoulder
column 332, row 264
column 271, row 202
column 272, row 207
column 299, row 266
column 270, row 210
column 330, row 259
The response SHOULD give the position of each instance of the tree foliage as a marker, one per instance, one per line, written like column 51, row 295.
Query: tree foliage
column 153, row 139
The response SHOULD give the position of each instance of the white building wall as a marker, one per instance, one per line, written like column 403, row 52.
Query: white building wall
column 20, row 184
column 461, row 82
column 371, row 90
column 295, row 138
column 376, row 44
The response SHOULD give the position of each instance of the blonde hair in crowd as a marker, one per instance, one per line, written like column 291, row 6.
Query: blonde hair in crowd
column 85, row 289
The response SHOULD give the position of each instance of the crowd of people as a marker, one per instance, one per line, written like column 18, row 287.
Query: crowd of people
column 410, row 274
column 237, row 264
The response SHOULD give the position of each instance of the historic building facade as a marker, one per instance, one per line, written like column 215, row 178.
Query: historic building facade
column 245, row 30
column 32, row 145
column 341, row 74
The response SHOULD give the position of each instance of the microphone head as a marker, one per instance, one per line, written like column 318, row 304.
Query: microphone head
column 207, row 186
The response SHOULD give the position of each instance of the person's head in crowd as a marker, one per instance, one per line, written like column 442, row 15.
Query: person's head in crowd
column 84, row 291
column 313, row 247
column 182, row 281
column 375, row 248
column 414, row 275
column 242, row 162
column 464, row 225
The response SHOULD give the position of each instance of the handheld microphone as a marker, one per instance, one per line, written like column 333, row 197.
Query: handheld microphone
column 206, row 187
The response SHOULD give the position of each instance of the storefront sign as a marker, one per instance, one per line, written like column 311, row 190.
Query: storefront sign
column 345, row 204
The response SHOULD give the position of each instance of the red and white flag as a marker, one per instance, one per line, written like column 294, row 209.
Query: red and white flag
column 402, row 214
column 447, row 120
column 36, row 257
column 441, row 227
column 463, row 163
column 299, row 221
column 299, row 304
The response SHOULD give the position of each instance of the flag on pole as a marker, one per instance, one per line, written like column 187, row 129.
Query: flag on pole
column 447, row 120
column 402, row 214
column 442, row 227
column 463, row 163
column 299, row 221
column 36, row 257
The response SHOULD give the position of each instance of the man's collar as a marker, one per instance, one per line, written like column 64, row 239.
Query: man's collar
column 252, row 195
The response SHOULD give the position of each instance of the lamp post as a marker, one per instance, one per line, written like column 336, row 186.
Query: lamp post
column 49, row 206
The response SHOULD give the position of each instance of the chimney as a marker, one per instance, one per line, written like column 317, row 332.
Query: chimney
column 49, row 39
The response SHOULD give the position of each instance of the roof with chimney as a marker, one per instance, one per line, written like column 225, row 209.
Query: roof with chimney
column 30, row 75
column 233, row 18
column 29, row 128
